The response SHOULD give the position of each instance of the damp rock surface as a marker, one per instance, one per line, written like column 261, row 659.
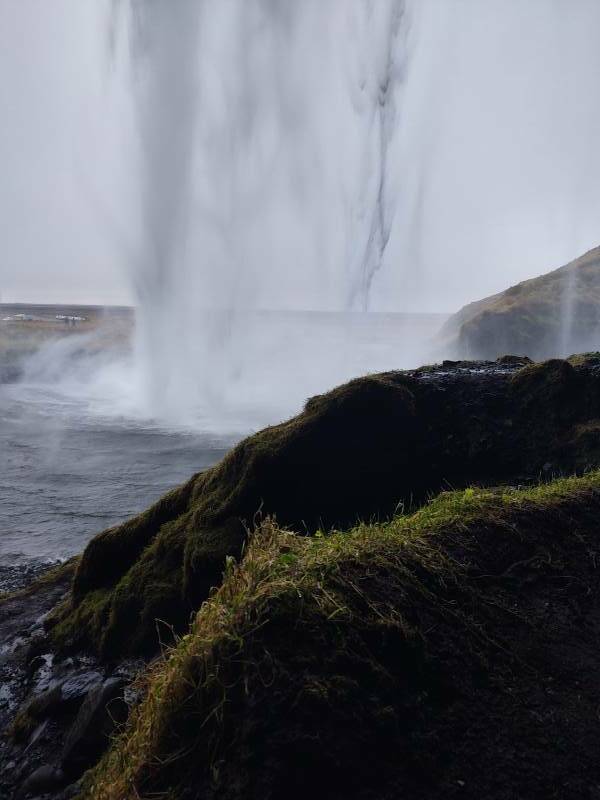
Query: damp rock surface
column 56, row 712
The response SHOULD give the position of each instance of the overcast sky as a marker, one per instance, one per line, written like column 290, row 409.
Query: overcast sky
column 61, row 191
column 502, row 113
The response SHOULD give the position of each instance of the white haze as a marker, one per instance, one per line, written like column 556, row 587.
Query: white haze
column 395, row 155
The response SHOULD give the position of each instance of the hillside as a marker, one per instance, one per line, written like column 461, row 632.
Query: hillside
column 351, row 637
column 451, row 653
column 360, row 452
column 553, row 315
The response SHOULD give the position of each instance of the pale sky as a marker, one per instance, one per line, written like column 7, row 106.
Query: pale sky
column 501, row 175
column 60, row 192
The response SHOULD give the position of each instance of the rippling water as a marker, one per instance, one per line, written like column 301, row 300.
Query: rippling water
column 66, row 473
column 76, row 458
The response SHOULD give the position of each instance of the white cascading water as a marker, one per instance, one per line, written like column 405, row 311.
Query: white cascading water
column 567, row 340
column 302, row 155
column 265, row 133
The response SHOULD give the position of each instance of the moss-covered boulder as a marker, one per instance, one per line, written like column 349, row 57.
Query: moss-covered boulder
column 553, row 315
column 363, row 451
column 451, row 653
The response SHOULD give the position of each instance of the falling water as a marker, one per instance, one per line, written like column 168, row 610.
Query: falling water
column 264, row 130
column 567, row 341
column 339, row 155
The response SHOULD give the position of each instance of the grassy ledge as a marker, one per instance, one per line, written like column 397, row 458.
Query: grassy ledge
column 447, row 653
column 359, row 452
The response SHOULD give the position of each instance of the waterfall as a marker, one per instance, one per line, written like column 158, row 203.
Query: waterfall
column 568, row 294
column 264, row 131
column 344, row 155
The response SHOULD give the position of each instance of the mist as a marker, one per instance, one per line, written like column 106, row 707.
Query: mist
column 346, row 156
column 212, row 160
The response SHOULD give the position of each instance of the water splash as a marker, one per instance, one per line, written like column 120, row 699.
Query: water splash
column 264, row 133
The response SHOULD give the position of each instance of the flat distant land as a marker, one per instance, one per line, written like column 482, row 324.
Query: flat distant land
column 62, row 316
column 25, row 327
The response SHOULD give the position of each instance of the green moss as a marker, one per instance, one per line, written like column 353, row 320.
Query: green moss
column 109, row 555
column 362, row 451
column 71, row 626
column 591, row 359
column 553, row 385
column 341, row 665
column 163, row 563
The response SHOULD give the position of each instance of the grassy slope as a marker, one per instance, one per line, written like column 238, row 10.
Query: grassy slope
column 526, row 318
column 448, row 653
column 355, row 453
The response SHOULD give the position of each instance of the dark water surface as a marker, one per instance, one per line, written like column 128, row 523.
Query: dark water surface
column 76, row 459
column 66, row 474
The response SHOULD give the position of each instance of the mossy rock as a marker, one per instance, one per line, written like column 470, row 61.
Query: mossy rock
column 448, row 653
column 33, row 713
column 361, row 452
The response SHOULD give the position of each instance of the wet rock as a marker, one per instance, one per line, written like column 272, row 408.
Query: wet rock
column 75, row 688
column 45, row 779
column 33, row 712
column 61, row 699
column 37, row 645
column 69, row 792
column 34, row 665
column 102, row 709
column 38, row 733
column 512, row 361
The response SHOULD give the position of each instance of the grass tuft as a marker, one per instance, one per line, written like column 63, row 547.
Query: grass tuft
column 319, row 660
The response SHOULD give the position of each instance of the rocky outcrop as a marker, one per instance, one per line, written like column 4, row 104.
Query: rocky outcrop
column 363, row 451
column 56, row 713
column 102, row 710
column 553, row 315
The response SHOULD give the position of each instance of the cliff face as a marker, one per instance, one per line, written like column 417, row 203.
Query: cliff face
column 553, row 315
column 365, row 450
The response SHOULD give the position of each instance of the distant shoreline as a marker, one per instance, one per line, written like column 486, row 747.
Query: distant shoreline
column 50, row 307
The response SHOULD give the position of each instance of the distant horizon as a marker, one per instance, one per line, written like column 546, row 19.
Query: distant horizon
column 133, row 307
column 124, row 300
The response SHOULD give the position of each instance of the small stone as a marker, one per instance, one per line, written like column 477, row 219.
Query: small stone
column 75, row 688
column 88, row 737
column 44, row 779
column 36, row 663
